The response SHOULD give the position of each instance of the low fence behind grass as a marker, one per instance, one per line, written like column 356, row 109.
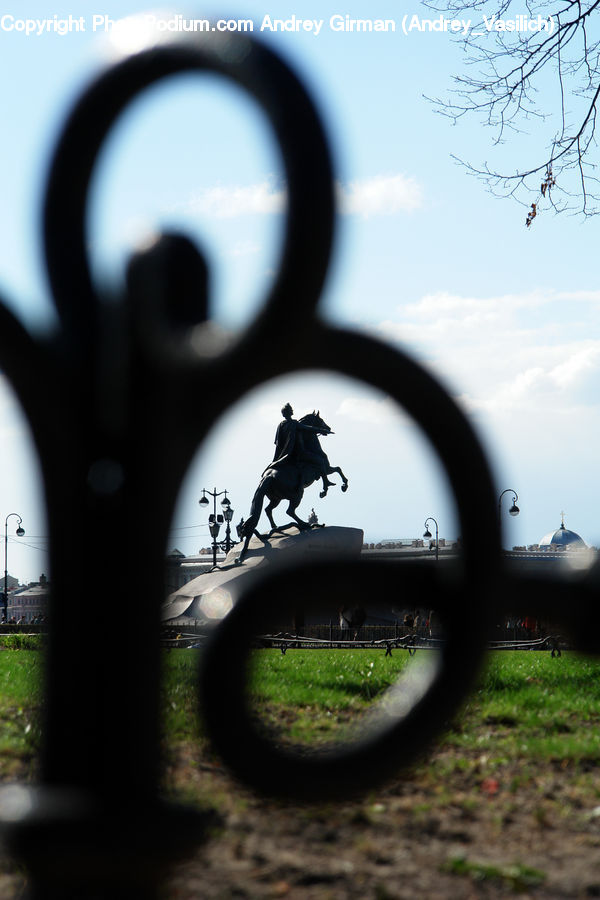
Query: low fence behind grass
column 318, row 632
column 396, row 635
column 24, row 628
column 364, row 633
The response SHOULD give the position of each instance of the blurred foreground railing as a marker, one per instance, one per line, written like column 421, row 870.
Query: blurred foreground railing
column 108, row 396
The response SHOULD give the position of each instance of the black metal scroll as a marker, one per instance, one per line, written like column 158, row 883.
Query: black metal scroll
column 107, row 397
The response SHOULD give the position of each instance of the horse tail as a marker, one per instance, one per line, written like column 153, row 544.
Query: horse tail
column 255, row 509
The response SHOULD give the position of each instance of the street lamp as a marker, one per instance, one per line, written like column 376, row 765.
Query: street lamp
column 215, row 520
column 19, row 532
column 514, row 510
column 427, row 534
column 228, row 514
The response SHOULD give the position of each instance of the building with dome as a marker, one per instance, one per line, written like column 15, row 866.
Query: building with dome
column 562, row 539
column 563, row 548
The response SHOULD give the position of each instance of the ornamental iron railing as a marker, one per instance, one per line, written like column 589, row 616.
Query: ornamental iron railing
column 107, row 396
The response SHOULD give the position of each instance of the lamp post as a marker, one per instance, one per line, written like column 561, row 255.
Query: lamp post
column 514, row 510
column 427, row 534
column 19, row 532
column 215, row 520
column 228, row 514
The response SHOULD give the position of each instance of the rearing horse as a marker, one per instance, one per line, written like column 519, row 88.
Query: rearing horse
column 287, row 478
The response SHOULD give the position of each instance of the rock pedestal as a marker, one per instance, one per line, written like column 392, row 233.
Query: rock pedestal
column 209, row 597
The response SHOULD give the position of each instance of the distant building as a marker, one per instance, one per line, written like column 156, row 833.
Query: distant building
column 29, row 603
column 180, row 569
column 11, row 583
column 562, row 539
column 562, row 548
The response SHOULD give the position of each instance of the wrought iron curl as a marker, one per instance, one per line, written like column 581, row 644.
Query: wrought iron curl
column 107, row 396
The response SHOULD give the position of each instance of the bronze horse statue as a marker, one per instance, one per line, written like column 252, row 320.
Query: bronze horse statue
column 287, row 478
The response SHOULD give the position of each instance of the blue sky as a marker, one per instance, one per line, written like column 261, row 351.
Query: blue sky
column 424, row 258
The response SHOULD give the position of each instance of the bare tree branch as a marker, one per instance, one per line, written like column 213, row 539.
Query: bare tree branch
column 541, row 67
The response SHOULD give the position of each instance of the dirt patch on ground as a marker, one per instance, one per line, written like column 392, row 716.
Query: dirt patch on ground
column 531, row 832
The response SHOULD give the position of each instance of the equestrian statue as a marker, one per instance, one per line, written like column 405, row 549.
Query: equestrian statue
column 298, row 462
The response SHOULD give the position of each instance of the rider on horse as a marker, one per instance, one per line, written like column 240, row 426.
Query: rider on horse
column 299, row 461
column 289, row 446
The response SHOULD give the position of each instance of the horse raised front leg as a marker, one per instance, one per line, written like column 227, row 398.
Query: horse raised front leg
column 326, row 485
column 330, row 471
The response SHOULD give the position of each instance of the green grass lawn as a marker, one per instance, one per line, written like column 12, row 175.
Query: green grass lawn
column 531, row 707
column 522, row 758
column 319, row 696
column 20, row 699
column 526, row 706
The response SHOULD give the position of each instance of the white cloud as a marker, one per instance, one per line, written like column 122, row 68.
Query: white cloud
column 592, row 296
column 225, row 202
column 369, row 411
column 569, row 384
column 447, row 314
column 513, row 352
column 578, row 367
column 379, row 195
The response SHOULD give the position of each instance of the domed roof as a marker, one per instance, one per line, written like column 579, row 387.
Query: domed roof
column 563, row 539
